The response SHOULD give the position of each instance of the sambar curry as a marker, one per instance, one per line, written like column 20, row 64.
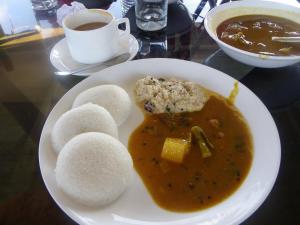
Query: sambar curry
column 197, row 182
column 253, row 33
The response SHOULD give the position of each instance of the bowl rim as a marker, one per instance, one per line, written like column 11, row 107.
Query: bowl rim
column 236, row 4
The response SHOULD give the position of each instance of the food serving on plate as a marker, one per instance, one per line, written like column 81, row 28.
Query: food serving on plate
column 194, row 148
column 112, row 97
column 254, row 33
column 172, row 95
column 88, row 117
column 93, row 167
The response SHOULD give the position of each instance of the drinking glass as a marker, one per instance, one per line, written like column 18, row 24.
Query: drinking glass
column 151, row 15
column 43, row 5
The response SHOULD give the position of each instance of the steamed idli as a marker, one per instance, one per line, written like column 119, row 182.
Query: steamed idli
column 112, row 97
column 86, row 118
column 94, row 168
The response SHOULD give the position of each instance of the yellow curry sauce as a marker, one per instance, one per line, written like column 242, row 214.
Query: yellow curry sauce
column 253, row 33
column 196, row 183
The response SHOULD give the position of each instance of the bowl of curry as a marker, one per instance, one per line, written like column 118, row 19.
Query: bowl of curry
column 247, row 32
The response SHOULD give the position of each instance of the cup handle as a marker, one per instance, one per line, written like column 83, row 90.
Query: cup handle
column 127, row 24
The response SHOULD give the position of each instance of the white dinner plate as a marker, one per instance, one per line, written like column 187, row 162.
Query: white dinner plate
column 136, row 206
column 62, row 60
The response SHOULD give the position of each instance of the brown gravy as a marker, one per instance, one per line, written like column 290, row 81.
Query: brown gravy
column 253, row 33
column 90, row 26
column 197, row 183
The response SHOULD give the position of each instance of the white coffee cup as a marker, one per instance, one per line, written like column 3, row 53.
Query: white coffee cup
column 97, row 45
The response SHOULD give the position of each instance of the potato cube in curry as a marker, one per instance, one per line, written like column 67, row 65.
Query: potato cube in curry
column 174, row 149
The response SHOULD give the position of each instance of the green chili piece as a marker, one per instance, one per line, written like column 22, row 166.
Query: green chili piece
column 201, row 141
column 207, row 141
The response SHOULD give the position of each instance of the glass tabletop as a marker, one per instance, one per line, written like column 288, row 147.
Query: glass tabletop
column 29, row 90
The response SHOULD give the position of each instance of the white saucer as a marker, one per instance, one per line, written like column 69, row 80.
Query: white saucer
column 62, row 60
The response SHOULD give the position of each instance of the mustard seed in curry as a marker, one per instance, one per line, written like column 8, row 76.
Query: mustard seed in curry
column 197, row 182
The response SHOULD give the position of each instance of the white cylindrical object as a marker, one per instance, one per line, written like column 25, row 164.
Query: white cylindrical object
column 97, row 45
